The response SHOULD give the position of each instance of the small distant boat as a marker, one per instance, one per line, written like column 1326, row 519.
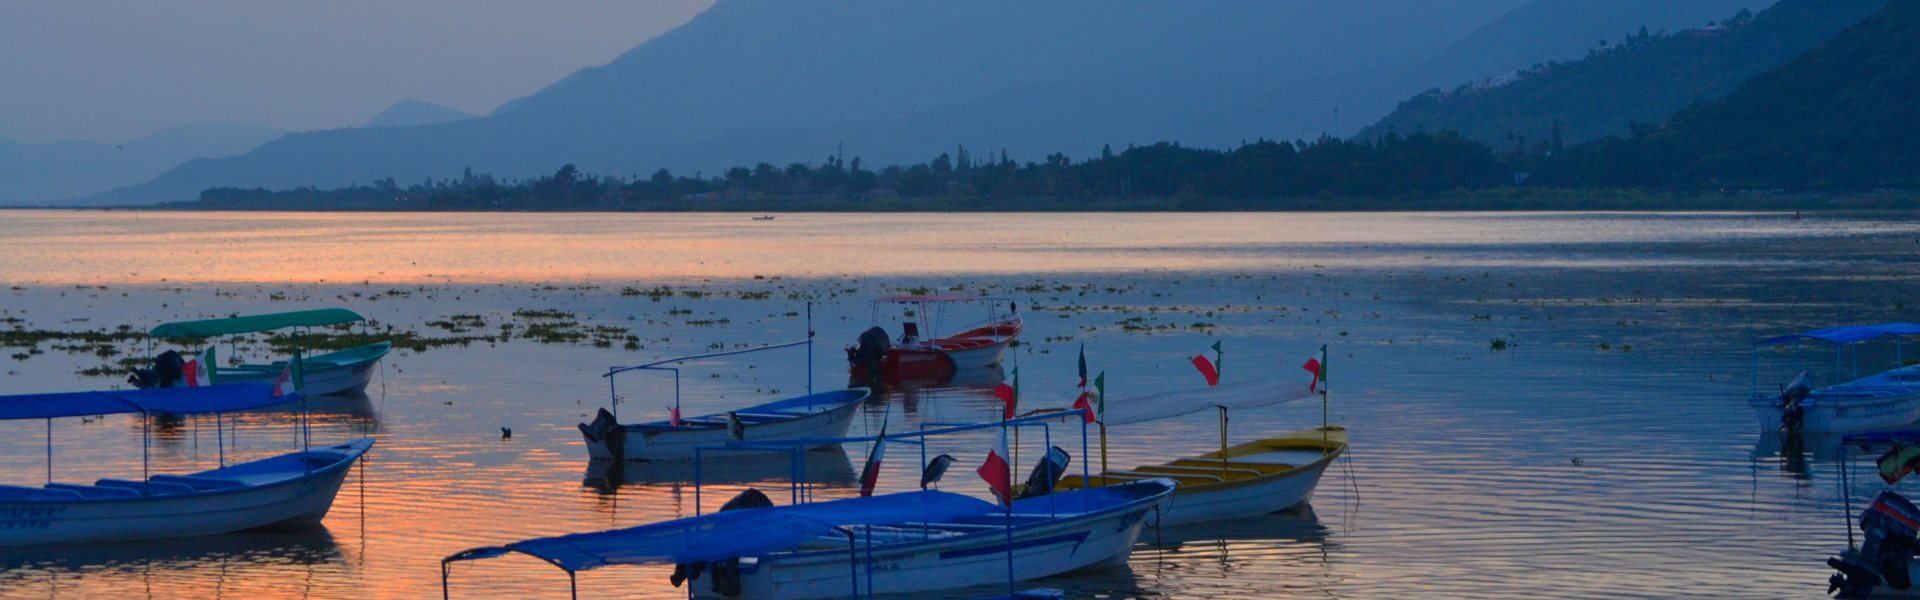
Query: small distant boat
column 347, row 370
column 825, row 415
column 815, row 416
column 764, row 218
column 292, row 488
column 1880, row 400
column 885, row 544
column 977, row 346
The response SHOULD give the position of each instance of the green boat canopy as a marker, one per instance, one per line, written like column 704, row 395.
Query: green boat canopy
column 254, row 323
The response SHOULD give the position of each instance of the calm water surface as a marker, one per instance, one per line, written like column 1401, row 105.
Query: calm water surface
column 1626, row 350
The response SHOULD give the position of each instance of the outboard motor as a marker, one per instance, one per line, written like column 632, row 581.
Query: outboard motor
column 1792, row 415
column 1886, row 554
column 726, row 573
column 168, row 370
column 608, row 431
column 1045, row 475
column 873, row 347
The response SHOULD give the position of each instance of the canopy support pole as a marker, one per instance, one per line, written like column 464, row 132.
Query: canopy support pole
column 146, row 484
column 49, row 449
column 1846, row 494
column 853, row 564
column 1086, row 475
column 1223, row 442
column 809, row 348
column 573, row 585
column 869, row 561
column 220, row 437
column 443, row 581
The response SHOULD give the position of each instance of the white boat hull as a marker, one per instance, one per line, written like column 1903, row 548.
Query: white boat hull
column 1822, row 415
column 1201, row 504
column 979, row 358
column 297, row 499
column 649, row 443
column 1041, row 550
column 345, row 376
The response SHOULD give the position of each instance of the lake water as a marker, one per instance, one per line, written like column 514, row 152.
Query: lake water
column 1606, row 451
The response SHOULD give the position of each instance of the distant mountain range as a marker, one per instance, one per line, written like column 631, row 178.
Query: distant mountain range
column 46, row 172
column 897, row 81
column 1645, row 78
column 409, row 113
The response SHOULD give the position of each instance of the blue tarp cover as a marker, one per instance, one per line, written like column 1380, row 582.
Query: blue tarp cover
column 1848, row 334
column 186, row 400
column 737, row 533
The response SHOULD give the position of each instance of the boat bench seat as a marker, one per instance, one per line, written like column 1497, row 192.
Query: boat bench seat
column 148, row 488
column 199, row 483
column 92, row 491
column 27, row 493
column 1201, row 469
column 751, row 417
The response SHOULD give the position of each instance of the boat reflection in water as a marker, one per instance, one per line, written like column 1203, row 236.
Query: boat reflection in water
column 274, row 560
column 829, row 467
column 344, row 413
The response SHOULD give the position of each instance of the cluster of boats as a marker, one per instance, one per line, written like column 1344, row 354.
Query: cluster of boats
column 1873, row 413
column 927, row 539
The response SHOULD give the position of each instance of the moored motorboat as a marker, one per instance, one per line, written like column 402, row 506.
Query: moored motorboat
column 975, row 346
column 884, row 544
column 824, row 415
column 1256, row 478
column 348, row 370
column 815, row 416
column 1245, row 480
column 293, row 488
column 1884, row 399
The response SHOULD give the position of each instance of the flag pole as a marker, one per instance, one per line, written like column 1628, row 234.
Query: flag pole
column 1015, row 467
column 1100, row 383
column 1324, row 450
column 1219, row 364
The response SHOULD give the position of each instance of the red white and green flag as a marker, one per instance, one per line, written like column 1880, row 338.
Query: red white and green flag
column 997, row 471
column 870, row 476
column 1317, row 365
column 1207, row 369
column 199, row 371
column 1009, row 393
column 289, row 381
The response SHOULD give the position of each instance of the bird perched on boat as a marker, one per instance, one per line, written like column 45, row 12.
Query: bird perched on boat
column 506, row 433
column 736, row 429
column 935, row 469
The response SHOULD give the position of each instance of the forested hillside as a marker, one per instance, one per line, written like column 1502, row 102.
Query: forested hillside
column 1645, row 78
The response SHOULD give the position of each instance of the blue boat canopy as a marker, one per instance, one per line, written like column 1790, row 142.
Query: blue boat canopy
column 1847, row 334
column 737, row 533
column 186, row 400
column 254, row 323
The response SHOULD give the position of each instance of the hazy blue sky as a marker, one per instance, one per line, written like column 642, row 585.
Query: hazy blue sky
column 110, row 70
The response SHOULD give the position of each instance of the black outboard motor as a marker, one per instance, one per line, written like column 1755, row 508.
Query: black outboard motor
column 726, row 573
column 873, row 347
column 606, row 430
column 1045, row 475
column 1792, row 415
column 168, row 370
column 1885, row 555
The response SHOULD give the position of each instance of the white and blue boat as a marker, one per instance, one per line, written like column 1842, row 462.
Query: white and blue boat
column 815, row 416
column 884, row 544
column 343, row 371
column 1885, row 399
column 289, row 489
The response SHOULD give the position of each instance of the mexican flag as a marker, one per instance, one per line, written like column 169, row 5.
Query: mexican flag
column 1207, row 369
column 1898, row 462
column 870, row 475
column 290, row 378
column 1009, row 393
column 1085, row 402
column 997, row 471
column 1317, row 365
column 199, row 371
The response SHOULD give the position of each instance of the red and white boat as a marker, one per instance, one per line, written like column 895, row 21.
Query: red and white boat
column 977, row 345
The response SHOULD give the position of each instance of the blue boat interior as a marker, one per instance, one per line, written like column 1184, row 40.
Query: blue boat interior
column 242, row 476
column 770, row 412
